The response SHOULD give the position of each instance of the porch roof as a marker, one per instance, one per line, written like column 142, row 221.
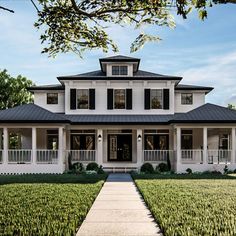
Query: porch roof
column 30, row 113
column 119, row 119
column 207, row 113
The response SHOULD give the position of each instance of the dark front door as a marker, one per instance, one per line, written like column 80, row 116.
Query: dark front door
column 120, row 147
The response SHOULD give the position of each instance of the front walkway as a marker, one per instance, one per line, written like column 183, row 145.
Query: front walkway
column 119, row 210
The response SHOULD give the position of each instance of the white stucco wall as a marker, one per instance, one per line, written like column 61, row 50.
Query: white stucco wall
column 101, row 96
column 198, row 100
column 40, row 99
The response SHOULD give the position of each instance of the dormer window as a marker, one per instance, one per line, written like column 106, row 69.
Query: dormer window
column 119, row 70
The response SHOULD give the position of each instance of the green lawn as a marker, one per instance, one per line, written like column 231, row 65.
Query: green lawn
column 46, row 204
column 191, row 205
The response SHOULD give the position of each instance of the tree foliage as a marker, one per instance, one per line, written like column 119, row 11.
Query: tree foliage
column 13, row 91
column 79, row 25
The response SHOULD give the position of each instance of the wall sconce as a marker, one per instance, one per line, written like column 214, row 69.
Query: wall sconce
column 139, row 137
column 99, row 138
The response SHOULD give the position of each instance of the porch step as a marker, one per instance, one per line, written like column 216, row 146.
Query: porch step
column 120, row 169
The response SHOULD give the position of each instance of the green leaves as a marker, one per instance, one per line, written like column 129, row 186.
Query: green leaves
column 13, row 91
column 189, row 207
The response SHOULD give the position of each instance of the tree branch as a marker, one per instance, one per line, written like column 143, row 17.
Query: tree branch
column 6, row 9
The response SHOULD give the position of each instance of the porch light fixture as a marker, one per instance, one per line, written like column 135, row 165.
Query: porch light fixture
column 99, row 138
column 139, row 137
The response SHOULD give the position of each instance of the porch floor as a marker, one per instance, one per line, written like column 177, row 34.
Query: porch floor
column 119, row 210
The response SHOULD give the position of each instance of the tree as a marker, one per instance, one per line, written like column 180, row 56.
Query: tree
column 73, row 25
column 231, row 106
column 13, row 91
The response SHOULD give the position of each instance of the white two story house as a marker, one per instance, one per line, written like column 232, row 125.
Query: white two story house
column 120, row 117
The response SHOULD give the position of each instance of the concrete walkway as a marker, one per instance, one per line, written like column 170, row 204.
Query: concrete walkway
column 119, row 210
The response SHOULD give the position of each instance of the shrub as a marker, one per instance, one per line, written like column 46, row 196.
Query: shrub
column 189, row 171
column 216, row 172
column 78, row 168
column 235, row 171
column 100, row 170
column 226, row 169
column 92, row 166
column 147, row 168
column 91, row 172
column 162, row 167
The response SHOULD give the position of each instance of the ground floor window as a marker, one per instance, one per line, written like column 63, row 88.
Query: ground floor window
column 156, row 139
column 15, row 140
column 186, row 139
column 52, row 139
column 83, row 140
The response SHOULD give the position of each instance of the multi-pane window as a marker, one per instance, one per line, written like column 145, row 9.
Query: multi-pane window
column 52, row 98
column 186, row 98
column 156, row 97
column 186, row 139
column 52, row 139
column 82, row 99
column 119, row 70
column 119, row 98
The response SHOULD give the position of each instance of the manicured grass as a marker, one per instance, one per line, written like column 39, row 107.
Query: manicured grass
column 191, row 204
column 46, row 204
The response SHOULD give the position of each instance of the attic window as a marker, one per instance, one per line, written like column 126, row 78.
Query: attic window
column 52, row 98
column 186, row 98
column 119, row 70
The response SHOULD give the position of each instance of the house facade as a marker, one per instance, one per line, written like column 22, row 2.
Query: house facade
column 119, row 117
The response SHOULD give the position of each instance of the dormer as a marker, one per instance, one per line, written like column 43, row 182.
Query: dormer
column 119, row 65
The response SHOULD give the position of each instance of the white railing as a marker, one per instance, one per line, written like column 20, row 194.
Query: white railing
column 82, row 155
column 218, row 156
column 20, row 156
column 156, row 155
column 192, row 156
column 45, row 156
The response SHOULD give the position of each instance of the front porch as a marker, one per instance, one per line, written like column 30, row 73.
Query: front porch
column 46, row 149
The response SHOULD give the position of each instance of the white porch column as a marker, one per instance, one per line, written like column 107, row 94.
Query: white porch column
column 178, row 148
column 34, row 146
column 99, row 154
column 5, row 145
column 60, row 145
column 139, row 147
column 205, row 145
column 233, row 148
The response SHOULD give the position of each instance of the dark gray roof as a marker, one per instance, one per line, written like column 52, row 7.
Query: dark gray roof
column 119, row 119
column 192, row 87
column 139, row 75
column 30, row 113
column 207, row 113
column 47, row 87
column 119, row 57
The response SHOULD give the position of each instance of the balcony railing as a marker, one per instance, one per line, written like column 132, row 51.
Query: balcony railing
column 45, row 156
column 156, row 155
column 1, row 154
column 219, row 156
column 22, row 156
column 192, row 156
column 82, row 155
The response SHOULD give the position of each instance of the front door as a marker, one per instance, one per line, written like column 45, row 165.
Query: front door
column 120, row 147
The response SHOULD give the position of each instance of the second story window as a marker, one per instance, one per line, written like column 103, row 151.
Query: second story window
column 186, row 98
column 156, row 99
column 119, row 98
column 52, row 98
column 119, row 70
column 82, row 98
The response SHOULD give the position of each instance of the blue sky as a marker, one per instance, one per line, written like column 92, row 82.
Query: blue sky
column 204, row 53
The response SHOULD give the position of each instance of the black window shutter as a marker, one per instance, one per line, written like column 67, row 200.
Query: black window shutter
column 72, row 99
column 166, row 97
column 146, row 99
column 109, row 99
column 91, row 99
column 129, row 99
